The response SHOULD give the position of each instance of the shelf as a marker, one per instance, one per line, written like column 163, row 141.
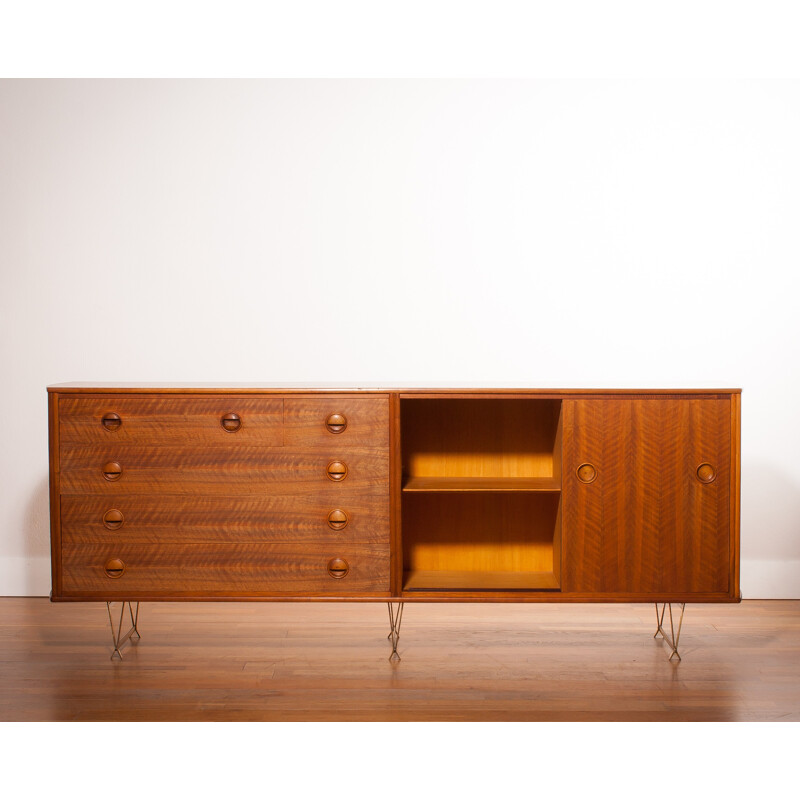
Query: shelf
column 466, row 581
column 444, row 484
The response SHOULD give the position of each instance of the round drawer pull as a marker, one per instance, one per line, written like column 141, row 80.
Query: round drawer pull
column 337, row 470
column 112, row 471
column 586, row 473
column 338, row 568
column 113, row 519
column 706, row 473
column 336, row 423
column 231, row 422
column 338, row 519
column 115, row 568
column 112, row 421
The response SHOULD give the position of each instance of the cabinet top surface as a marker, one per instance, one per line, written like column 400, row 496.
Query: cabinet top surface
column 257, row 388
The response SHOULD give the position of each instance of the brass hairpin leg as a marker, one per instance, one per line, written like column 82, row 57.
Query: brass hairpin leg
column 674, row 638
column 395, row 618
column 117, row 637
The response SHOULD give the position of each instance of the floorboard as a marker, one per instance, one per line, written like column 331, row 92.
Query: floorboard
column 295, row 661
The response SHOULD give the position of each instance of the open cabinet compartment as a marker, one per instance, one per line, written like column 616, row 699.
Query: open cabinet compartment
column 481, row 501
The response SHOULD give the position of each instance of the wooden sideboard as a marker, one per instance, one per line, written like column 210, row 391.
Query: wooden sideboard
column 393, row 495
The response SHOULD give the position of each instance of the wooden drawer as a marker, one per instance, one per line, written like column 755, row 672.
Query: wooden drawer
column 225, row 570
column 160, row 519
column 220, row 470
column 170, row 420
column 362, row 421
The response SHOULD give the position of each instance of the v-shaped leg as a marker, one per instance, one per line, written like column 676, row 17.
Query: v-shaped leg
column 117, row 637
column 395, row 618
column 673, row 639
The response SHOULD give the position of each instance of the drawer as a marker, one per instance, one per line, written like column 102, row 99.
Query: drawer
column 218, row 470
column 350, row 421
column 158, row 519
column 226, row 570
column 171, row 420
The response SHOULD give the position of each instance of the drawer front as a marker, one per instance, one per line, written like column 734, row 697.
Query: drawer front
column 129, row 469
column 225, row 420
column 224, row 569
column 337, row 420
column 324, row 516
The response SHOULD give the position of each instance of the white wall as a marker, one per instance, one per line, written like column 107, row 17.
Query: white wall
column 491, row 233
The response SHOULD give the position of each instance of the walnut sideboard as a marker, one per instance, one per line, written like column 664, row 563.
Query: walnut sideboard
column 167, row 493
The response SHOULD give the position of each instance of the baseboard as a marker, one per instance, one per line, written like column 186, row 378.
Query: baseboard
column 762, row 579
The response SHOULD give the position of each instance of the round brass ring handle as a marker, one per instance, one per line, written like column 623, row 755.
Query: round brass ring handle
column 112, row 471
column 112, row 421
column 586, row 473
column 115, row 568
column 338, row 519
column 231, row 422
column 336, row 423
column 113, row 519
column 337, row 470
column 706, row 473
column 338, row 568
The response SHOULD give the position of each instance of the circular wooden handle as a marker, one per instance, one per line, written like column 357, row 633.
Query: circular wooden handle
column 338, row 568
column 338, row 519
column 586, row 473
column 113, row 519
column 112, row 471
column 112, row 421
column 115, row 568
column 231, row 422
column 337, row 470
column 336, row 423
column 706, row 473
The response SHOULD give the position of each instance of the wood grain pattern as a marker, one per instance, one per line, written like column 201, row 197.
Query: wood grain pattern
column 479, row 532
column 479, row 438
column 469, row 580
column 582, row 515
column 647, row 524
column 482, row 485
column 367, row 422
column 219, row 470
column 174, row 420
column 735, row 490
column 55, row 492
column 186, row 482
column 395, row 496
column 234, row 568
column 163, row 518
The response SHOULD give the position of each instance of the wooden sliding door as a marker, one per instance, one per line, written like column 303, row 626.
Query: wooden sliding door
column 646, row 495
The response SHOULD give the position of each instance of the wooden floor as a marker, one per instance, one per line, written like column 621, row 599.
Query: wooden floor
column 295, row 661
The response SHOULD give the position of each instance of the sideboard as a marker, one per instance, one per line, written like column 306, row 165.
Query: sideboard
column 209, row 492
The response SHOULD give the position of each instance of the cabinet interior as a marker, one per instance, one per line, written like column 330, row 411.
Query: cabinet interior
column 481, row 505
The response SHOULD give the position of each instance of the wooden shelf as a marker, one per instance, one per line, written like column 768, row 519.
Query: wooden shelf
column 467, row 581
column 435, row 484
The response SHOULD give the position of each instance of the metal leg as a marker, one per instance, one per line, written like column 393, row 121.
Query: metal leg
column 395, row 618
column 117, row 637
column 673, row 639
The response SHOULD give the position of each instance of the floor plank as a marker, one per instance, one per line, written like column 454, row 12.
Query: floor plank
column 295, row 661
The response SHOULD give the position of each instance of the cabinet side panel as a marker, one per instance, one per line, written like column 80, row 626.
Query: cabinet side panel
column 735, row 491
column 582, row 510
column 395, row 497
column 55, row 505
